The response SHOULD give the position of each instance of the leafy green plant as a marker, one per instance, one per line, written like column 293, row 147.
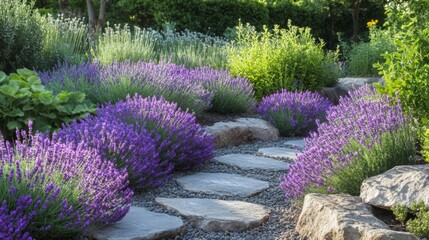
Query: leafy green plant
column 281, row 59
column 21, row 35
column 419, row 224
column 24, row 98
column 425, row 144
column 406, row 70
column 362, row 57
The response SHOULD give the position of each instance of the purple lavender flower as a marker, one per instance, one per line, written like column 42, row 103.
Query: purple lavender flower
column 57, row 189
column 179, row 139
column 294, row 113
column 363, row 118
column 230, row 95
column 119, row 143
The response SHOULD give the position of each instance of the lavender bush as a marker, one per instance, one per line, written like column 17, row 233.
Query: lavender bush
column 365, row 135
column 56, row 190
column 294, row 113
column 230, row 95
column 114, row 82
column 179, row 139
column 198, row 90
column 119, row 143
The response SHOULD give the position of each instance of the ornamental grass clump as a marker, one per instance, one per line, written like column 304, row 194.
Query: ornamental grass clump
column 294, row 113
column 179, row 138
column 53, row 190
column 119, row 143
column 230, row 95
column 365, row 135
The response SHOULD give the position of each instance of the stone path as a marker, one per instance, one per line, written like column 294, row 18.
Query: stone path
column 210, row 215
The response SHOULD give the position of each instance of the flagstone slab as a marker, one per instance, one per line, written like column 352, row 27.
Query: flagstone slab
column 222, row 184
column 141, row 224
column 299, row 143
column 277, row 152
column 250, row 162
column 214, row 215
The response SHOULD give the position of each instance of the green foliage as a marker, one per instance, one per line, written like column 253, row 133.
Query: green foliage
column 362, row 57
column 425, row 145
column 370, row 162
column 420, row 224
column 21, row 35
column 281, row 59
column 64, row 39
column 24, row 98
column 400, row 212
column 185, row 48
column 406, row 71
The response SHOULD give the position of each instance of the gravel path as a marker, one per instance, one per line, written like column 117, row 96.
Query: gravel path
column 283, row 213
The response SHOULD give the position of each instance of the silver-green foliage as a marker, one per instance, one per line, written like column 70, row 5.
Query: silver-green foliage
column 120, row 43
column 64, row 39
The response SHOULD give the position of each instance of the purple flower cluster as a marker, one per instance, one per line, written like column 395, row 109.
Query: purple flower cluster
column 57, row 190
column 294, row 113
column 179, row 139
column 119, row 143
column 197, row 90
column 230, row 95
column 364, row 117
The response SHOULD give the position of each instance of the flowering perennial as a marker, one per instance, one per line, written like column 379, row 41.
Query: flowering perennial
column 179, row 139
column 119, row 143
column 56, row 190
column 294, row 113
column 355, row 128
column 197, row 90
column 230, row 95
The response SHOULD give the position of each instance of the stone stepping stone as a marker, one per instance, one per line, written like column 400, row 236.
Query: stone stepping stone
column 277, row 152
column 299, row 143
column 213, row 215
column 249, row 162
column 140, row 223
column 222, row 184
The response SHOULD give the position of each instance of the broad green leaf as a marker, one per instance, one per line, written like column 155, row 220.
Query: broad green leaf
column 16, row 112
column 3, row 76
column 12, row 125
column 46, row 99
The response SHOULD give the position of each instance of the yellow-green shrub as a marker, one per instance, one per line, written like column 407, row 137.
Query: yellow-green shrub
column 281, row 59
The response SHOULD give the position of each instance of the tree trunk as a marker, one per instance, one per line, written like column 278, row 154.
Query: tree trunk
column 356, row 10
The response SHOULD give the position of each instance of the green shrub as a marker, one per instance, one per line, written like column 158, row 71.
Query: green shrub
column 24, row 98
column 282, row 59
column 419, row 225
column 64, row 39
column 21, row 35
column 406, row 70
column 362, row 57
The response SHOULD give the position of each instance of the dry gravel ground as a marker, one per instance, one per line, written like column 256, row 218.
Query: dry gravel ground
column 283, row 213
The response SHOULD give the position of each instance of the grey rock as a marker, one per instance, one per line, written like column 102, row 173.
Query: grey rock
column 222, row 184
column 277, row 152
column 350, row 83
column 249, row 162
column 213, row 215
column 241, row 131
column 141, row 224
column 399, row 185
column 298, row 143
column 343, row 217
column 333, row 93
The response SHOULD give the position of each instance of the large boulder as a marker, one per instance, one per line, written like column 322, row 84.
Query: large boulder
column 242, row 130
column 343, row 217
column 399, row 185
